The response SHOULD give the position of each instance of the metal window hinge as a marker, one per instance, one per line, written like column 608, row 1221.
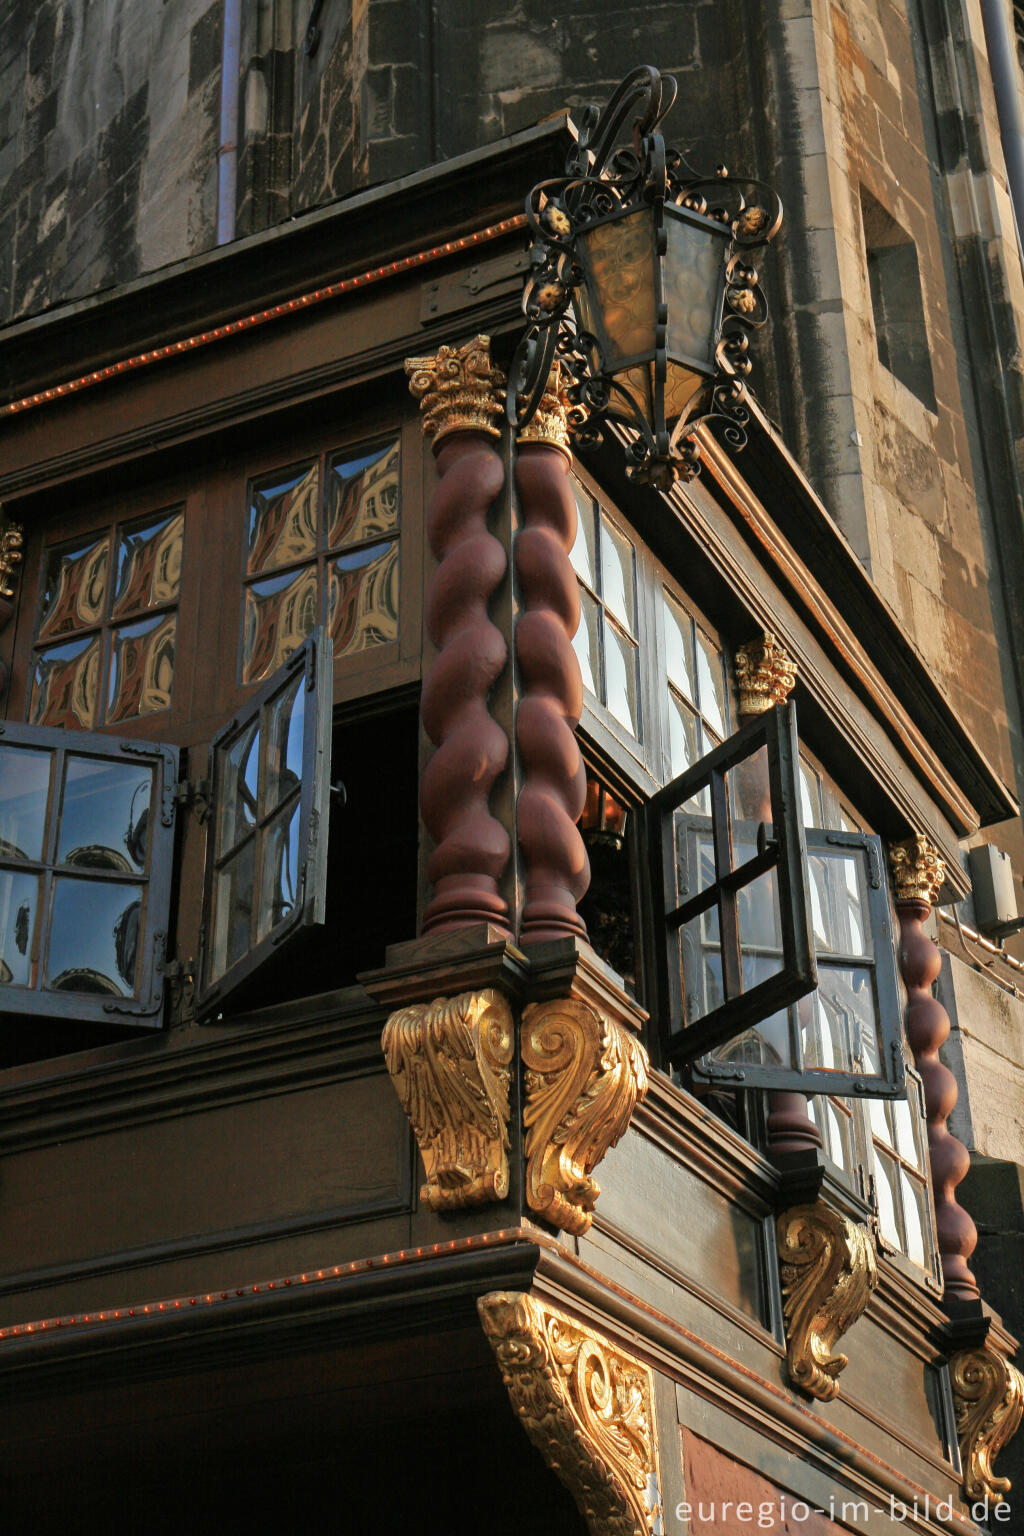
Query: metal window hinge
column 194, row 793
column 181, row 993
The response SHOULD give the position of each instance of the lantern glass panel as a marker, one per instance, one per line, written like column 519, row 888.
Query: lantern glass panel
column 694, row 262
column 619, row 305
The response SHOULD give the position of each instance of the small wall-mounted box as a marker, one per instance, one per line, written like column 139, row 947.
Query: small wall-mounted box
column 995, row 899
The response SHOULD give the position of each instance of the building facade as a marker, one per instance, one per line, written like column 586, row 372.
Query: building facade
column 389, row 799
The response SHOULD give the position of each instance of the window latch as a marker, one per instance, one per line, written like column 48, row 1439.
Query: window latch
column 181, row 983
column 195, row 794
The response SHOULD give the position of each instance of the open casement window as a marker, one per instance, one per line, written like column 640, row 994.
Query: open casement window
column 86, row 852
column 778, row 967
column 266, row 865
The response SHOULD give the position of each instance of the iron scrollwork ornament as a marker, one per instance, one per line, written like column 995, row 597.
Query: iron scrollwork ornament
column 601, row 274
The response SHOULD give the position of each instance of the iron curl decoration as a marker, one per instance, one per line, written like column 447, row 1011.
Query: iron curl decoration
column 605, row 182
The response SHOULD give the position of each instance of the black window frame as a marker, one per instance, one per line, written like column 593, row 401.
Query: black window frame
column 313, row 660
column 781, row 850
column 145, row 1007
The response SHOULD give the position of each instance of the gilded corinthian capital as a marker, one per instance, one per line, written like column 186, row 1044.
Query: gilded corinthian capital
column 459, row 389
column 588, row 1407
column 449, row 1061
column 584, row 1075
column 11, row 540
column 765, row 675
column 988, row 1393
column 828, row 1273
column 917, row 870
column 550, row 424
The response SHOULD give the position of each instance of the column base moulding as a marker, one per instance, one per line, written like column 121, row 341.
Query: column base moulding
column 988, row 1394
column 588, row 1407
column 828, row 1270
column 450, row 1063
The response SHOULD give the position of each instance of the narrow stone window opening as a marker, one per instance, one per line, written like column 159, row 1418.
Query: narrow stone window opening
column 896, row 300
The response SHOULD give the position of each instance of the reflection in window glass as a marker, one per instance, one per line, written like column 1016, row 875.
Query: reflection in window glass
column 283, row 518
column 94, row 937
column 279, row 885
column 362, row 598
column 108, row 674
column 232, row 911
column 104, row 821
column 279, row 614
column 65, row 685
column 330, row 527
column 149, row 565
column 24, row 794
column 19, row 908
column 141, row 668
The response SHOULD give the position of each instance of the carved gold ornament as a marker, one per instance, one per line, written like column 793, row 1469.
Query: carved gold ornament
column 828, row 1273
column 764, row 675
column 917, row 870
column 583, row 1077
column 989, row 1396
column 459, row 389
column 450, row 1063
column 551, row 423
column 588, row 1407
column 11, row 541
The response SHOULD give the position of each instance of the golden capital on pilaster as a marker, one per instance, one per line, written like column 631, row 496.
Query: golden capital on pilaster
column 917, row 870
column 584, row 1075
column 765, row 675
column 588, row 1407
column 988, row 1394
column 828, row 1272
column 450, row 1063
column 11, row 541
column 550, row 424
column 459, row 389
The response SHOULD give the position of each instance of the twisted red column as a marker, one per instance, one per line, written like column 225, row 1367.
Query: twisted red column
column 557, row 870
column 471, row 846
column 927, row 1028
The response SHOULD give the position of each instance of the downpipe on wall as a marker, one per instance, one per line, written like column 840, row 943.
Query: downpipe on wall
column 227, row 147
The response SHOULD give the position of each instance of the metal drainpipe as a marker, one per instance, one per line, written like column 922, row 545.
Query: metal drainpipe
column 1002, row 58
column 227, row 148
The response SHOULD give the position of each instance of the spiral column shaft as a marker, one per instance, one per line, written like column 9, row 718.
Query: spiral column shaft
column 554, row 780
column 461, row 395
column 918, row 874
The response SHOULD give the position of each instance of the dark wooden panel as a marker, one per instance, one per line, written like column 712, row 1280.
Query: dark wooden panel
column 233, row 1174
column 657, row 1202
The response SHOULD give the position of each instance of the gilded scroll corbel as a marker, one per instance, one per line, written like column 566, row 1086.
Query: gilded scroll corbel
column 11, row 541
column 588, row 1407
column 988, row 1393
column 450, row 1063
column 584, row 1075
column 828, row 1273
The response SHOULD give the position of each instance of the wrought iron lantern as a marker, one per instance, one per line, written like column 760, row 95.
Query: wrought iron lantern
column 641, row 287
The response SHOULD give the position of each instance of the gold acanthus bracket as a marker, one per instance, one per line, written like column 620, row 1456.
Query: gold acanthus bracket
column 765, row 675
column 588, row 1407
column 917, row 870
column 450, row 1063
column 829, row 1271
column 583, row 1077
column 988, row 1393
column 11, row 541
column 459, row 389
